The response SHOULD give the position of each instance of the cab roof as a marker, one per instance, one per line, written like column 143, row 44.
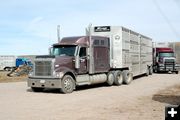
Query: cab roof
column 78, row 40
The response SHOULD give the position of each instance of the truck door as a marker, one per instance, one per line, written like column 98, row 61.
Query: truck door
column 83, row 60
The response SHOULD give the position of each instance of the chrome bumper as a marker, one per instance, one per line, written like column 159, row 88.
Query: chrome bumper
column 169, row 68
column 44, row 83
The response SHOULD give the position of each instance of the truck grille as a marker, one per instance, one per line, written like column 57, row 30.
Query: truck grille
column 43, row 68
column 169, row 61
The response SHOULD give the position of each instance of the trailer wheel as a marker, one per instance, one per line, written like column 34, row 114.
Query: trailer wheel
column 37, row 89
column 110, row 78
column 68, row 84
column 127, row 77
column 118, row 78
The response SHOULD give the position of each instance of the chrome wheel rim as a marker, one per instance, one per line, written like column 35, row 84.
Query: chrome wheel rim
column 68, row 84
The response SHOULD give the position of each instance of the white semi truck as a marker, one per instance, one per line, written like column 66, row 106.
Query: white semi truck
column 110, row 54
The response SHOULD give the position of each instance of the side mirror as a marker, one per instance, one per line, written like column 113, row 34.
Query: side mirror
column 77, row 62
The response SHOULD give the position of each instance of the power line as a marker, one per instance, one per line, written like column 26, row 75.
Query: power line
column 167, row 20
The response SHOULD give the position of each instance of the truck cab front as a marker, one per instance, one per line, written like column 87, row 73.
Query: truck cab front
column 165, row 60
column 66, row 57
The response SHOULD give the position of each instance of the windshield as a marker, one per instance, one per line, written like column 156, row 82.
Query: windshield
column 66, row 50
column 166, row 54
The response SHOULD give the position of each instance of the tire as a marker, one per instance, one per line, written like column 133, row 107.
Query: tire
column 37, row 89
column 127, row 77
column 110, row 78
column 118, row 78
column 68, row 84
column 177, row 72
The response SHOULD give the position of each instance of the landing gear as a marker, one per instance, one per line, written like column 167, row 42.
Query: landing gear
column 147, row 71
column 150, row 70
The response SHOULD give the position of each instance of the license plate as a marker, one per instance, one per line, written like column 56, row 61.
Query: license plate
column 42, row 81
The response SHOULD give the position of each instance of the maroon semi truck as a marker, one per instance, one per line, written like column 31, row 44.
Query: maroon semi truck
column 164, row 60
column 92, row 59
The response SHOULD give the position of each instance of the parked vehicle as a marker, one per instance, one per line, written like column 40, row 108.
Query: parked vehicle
column 10, row 62
column 22, row 61
column 164, row 59
column 7, row 62
column 110, row 54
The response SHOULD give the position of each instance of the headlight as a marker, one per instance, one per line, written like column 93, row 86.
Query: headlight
column 55, row 74
column 58, row 74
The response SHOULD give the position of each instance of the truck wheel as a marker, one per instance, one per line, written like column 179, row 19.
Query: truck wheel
column 110, row 78
column 118, row 78
column 127, row 77
column 177, row 72
column 68, row 84
column 37, row 89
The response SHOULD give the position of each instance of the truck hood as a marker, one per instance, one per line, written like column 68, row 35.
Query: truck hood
column 63, row 62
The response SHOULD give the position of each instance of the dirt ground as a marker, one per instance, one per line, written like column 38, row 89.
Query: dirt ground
column 4, row 78
column 144, row 99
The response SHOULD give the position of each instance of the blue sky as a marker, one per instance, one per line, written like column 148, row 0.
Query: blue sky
column 29, row 27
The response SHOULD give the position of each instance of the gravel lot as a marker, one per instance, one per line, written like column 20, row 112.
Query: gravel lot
column 144, row 99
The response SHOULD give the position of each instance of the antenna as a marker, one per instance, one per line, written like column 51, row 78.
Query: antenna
column 58, row 32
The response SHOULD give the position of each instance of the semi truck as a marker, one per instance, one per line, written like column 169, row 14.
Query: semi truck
column 107, row 54
column 164, row 59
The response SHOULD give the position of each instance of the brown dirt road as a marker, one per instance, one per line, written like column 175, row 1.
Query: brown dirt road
column 144, row 99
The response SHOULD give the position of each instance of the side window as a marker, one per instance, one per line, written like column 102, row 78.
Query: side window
column 82, row 52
